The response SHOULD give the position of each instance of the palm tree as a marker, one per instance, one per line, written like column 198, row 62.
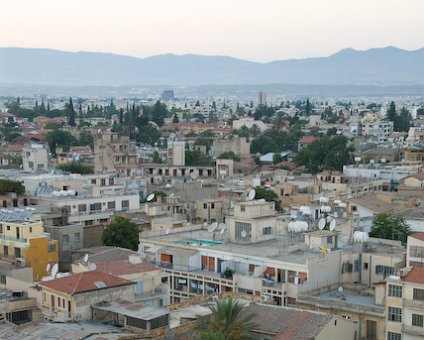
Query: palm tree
column 227, row 323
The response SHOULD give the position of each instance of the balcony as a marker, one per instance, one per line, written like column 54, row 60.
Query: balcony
column 413, row 330
column 12, row 239
column 416, row 304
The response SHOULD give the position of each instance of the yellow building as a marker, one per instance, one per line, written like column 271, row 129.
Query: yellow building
column 24, row 242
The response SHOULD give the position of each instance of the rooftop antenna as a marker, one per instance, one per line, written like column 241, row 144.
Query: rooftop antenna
column 321, row 223
column 333, row 225
column 251, row 195
column 55, row 270
column 150, row 197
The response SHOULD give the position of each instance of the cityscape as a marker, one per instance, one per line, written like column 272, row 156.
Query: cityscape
column 166, row 174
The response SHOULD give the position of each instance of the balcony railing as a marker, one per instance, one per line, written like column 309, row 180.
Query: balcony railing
column 413, row 330
column 313, row 300
column 417, row 304
column 13, row 239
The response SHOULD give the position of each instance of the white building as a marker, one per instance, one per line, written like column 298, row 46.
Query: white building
column 35, row 157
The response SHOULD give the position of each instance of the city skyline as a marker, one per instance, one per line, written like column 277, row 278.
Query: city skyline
column 273, row 31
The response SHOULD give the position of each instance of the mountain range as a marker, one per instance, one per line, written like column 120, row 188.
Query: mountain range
column 389, row 66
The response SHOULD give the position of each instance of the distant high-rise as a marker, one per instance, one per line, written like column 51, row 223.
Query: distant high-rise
column 167, row 95
column 262, row 98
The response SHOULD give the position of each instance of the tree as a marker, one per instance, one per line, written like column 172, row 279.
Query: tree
column 268, row 195
column 308, row 107
column 60, row 138
column 277, row 158
column 228, row 322
column 7, row 186
column 77, row 168
column 148, row 135
column 229, row 155
column 86, row 138
column 391, row 113
column 121, row 232
column 196, row 158
column 70, row 112
column 156, row 159
column 175, row 119
column 390, row 227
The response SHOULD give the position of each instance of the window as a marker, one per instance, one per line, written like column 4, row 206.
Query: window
column 416, row 251
column 365, row 265
column 65, row 238
column 8, row 227
column 93, row 181
column 242, row 208
column 82, row 207
column 111, row 181
column 111, row 205
column 371, row 330
column 347, row 267
column 5, row 250
column 213, row 206
column 95, row 207
column 51, row 248
column 329, row 239
column 394, row 336
column 418, row 294
column 125, row 204
column 417, row 320
column 30, row 229
column 243, row 231
column 103, row 182
column 395, row 291
column 395, row 314
column 77, row 237
column 356, row 266
column 384, row 270
column 267, row 231
column 17, row 252
column 205, row 206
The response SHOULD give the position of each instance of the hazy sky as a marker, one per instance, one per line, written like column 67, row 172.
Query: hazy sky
column 261, row 30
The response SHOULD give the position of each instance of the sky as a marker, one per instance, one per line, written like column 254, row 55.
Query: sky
column 261, row 30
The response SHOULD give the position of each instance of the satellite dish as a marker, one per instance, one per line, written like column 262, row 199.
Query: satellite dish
column 213, row 227
column 194, row 175
column 222, row 231
column 150, row 197
column 167, row 231
column 55, row 269
column 243, row 233
column 92, row 266
column 205, row 224
column 221, row 226
column 86, row 258
column 48, row 267
column 321, row 223
column 340, row 289
column 333, row 225
column 251, row 195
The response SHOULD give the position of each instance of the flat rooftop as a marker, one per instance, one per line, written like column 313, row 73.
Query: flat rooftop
column 281, row 248
column 349, row 296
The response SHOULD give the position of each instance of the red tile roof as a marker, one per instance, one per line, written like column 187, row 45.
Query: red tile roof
column 124, row 267
column 418, row 236
column 416, row 275
column 84, row 282
column 307, row 139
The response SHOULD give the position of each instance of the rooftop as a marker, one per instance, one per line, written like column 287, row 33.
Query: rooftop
column 416, row 275
column 85, row 282
column 287, row 323
column 124, row 267
column 135, row 310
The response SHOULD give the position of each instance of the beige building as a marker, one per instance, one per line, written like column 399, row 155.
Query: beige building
column 113, row 152
column 176, row 153
column 209, row 210
column 239, row 145
column 415, row 250
column 70, row 298
column 35, row 157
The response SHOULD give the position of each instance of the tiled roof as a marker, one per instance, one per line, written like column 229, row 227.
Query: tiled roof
column 419, row 176
column 418, row 236
column 84, row 282
column 416, row 275
column 287, row 323
column 125, row 267
column 307, row 139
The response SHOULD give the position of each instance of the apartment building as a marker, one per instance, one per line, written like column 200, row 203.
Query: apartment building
column 24, row 242
column 34, row 157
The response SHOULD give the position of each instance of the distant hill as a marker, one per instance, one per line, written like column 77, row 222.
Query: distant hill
column 388, row 66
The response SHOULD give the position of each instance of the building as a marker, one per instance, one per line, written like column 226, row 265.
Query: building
column 405, row 306
column 35, row 157
column 239, row 145
column 167, row 95
column 415, row 250
column 70, row 298
column 176, row 153
column 209, row 210
column 114, row 153
column 24, row 242
column 262, row 98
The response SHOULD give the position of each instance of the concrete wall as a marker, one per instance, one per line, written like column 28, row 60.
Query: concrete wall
column 338, row 327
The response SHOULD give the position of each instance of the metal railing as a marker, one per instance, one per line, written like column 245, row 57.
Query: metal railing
column 14, row 239
column 413, row 330
column 307, row 299
column 418, row 304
